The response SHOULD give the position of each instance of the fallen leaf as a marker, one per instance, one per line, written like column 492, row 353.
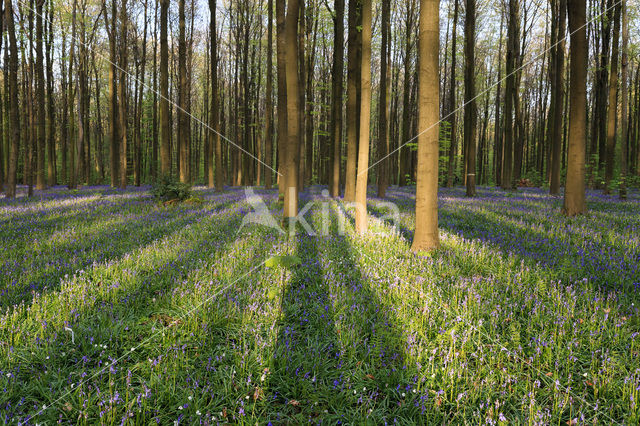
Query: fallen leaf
column 294, row 403
column 549, row 374
column 369, row 376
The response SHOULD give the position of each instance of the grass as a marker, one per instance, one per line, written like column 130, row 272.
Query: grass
column 114, row 309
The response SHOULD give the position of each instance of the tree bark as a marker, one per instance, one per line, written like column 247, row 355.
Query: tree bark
column 336, row 96
column 426, row 235
column 470, row 108
column 574, row 195
column 558, row 87
column 383, row 105
column 613, row 102
column 14, row 116
column 353, row 71
column 624, row 154
column 165, row 131
column 365, row 118
column 293, row 107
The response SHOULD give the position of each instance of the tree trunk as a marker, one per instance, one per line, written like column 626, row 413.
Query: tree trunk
column 353, row 75
column 451, row 104
column 624, row 155
column 14, row 116
column 336, row 96
column 558, row 86
column 40, row 104
column 470, row 108
column 383, row 105
column 268, row 125
column 574, row 194
column 426, row 235
column 293, row 99
column 282, row 96
column 613, row 104
column 165, row 130
column 512, row 43
column 365, row 118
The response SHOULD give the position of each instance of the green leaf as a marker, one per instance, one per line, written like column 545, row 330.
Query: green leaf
column 284, row 261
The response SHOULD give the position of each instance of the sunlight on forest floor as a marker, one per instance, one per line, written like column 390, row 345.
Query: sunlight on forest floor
column 116, row 309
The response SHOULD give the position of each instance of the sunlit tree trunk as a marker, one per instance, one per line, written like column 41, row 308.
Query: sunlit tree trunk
column 365, row 119
column 293, row 104
column 574, row 195
column 282, row 95
column 426, row 235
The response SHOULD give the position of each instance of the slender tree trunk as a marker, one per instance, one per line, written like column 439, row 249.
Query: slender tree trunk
column 165, row 130
column 497, row 126
column 14, row 116
column 574, row 195
column 353, row 71
column 383, row 105
column 470, row 108
column 451, row 104
column 336, row 94
column 365, row 119
column 40, row 103
column 613, row 104
column 268, row 125
column 51, row 131
column 624, row 155
column 512, row 43
column 183, row 119
column 282, row 96
column 558, row 85
column 293, row 98
column 426, row 235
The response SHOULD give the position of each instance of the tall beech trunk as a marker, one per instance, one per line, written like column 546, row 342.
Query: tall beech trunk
column 165, row 130
column 451, row 104
column 365, row 119
column 14, row 115
column 574, row 194
column 558, row 98
column 282, row 95
column 292, row 151
column 624, row 153
column 613, row 101
column 268, row 124
column 512, row 46
column 336, row 96
column 470, row 108
column 353, row 76
column 383, row 103
column 426, row 236
column 122, row 95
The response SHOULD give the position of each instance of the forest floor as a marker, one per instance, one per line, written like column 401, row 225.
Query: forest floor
column 115, row 309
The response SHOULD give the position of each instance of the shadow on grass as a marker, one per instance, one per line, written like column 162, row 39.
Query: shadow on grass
column 339, row 356
column 51, row 263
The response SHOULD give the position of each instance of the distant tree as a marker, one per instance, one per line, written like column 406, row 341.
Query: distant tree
column 426, row 236
column 383, row 102
column 624, row 76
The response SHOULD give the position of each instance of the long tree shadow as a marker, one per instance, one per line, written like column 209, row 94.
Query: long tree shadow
column 41, row 267
column 339, row 356
column 572, row 255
